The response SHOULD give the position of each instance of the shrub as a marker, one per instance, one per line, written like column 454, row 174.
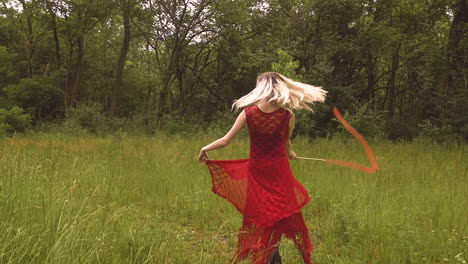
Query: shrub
column 87, row 115
column 13, row 120
column 438, row 133
column 305, row 124
column 368, row 123
column 36, row 95
column 173, row 124
column 402, row 128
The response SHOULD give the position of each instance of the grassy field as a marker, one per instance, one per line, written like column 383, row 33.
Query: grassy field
column 147, row 200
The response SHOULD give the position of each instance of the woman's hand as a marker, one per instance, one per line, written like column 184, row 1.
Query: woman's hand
column 292, row 155
column 203, row 156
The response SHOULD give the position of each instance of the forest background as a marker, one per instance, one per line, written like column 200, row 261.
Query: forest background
column 396, row 68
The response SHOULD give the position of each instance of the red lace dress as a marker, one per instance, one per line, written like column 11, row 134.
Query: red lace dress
column 264, row 189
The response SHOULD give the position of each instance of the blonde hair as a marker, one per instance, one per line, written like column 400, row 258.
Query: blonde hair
column 281, row 90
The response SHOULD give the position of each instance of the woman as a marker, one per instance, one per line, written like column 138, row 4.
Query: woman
column 263, row 188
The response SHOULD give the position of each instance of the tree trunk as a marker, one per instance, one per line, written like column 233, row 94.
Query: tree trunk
column 162, row 104
column 180, row 84
column 370, row 69
column 29, row 36
column 391, row 90
column 53, row 21
column 456, row 50
column 74, row 75
column 122, row 58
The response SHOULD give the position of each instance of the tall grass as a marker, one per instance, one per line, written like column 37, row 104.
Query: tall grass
column 147, row 200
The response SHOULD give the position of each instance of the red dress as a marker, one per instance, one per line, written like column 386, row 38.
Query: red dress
column 263, row 189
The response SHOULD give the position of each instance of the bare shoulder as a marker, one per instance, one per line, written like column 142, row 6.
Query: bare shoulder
column 243, row 112
column 242, row 117
column 246, row 111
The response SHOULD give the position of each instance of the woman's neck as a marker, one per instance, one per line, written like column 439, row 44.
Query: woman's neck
column 268, row 107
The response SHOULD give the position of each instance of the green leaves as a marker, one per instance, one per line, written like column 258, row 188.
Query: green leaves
column 13, row 120
column 286, row 65
column 34, row 94
column 8, row 73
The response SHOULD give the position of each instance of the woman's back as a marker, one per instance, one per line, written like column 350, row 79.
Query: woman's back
column 268, row 133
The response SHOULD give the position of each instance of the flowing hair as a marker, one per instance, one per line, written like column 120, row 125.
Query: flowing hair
column 282, row 91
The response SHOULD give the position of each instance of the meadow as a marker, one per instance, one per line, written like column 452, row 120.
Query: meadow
column 137, row 199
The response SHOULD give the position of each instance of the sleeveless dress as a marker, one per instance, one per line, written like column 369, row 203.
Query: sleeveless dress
column 263, row 189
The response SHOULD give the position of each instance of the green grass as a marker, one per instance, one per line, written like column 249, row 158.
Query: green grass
column 147, row 200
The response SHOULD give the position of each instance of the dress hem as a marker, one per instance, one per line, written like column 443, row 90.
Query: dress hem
column 269, row 223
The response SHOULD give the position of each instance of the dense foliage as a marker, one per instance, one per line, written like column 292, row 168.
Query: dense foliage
column 396, row 67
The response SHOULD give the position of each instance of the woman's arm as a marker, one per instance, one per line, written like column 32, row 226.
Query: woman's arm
column 224, row 141
column 292, row 123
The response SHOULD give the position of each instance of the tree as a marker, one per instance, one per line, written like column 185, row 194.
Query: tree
column 126, row 7
column 174, row 25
